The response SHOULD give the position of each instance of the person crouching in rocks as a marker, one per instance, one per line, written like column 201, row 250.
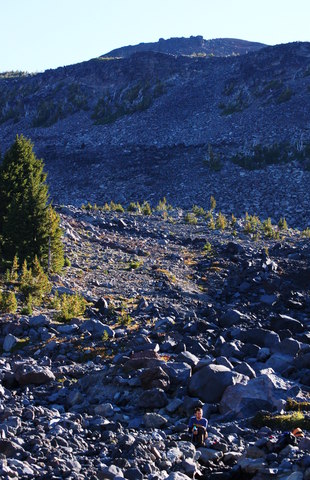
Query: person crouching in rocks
column 198, row 428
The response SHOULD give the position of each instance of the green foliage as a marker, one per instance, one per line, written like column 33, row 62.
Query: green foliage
column 11, row 275
column 8, row 302
column 293, row 405
column 146, row 209
column 69, row 306
column 27, row 308
column 29, row 226
column 282, row 224
column 198, row 211
column 134, row 264
column 237, row 104
column 306, row 233
column 268, row 229
column 116, row 207
column 212, row 203
column 213, row 161
column 34, row 282
column 67, row 262
column 211, row 223
column 207, row 248
column 221, row 221
column 233, row 220
column 281, row 422
column 52, row 108
column 190, row 218
column 134, row 207
column 136, row 98
column 163, row 206
column 124, row 318
column 262, row 156
column 285, row 95
column 252, row 224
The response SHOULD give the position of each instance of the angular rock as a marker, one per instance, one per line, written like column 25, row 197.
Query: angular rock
column 96, row 328
column 154, row 420
column 282, row 322
column 154, row 398
column 259, row 336
column 179, row 372
column 154, row 377
column 218, row 376
column 33, row 374
column 232, row 317
column 263, row 392
column 9, row 342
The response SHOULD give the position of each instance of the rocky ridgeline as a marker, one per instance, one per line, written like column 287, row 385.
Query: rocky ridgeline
column 179, row 315
column 196, row 46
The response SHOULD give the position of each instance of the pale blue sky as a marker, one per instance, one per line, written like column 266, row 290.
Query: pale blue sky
column 39, row 34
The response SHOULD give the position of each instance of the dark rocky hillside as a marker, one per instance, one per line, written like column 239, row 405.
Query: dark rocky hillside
column 179, row 315
column 196, row 46
column 141, row 127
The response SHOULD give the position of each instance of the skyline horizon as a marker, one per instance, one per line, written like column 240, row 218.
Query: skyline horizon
column 39, row 36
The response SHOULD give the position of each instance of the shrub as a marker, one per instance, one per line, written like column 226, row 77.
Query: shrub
column 69, row 306
column 198, row 211
column 306, row 233
column 252, row 223
column 292, row 404
column 27, row 308
column 285, row 95
column 190, row 218
column 163, row 206
column 134, row 207
column 213, row 160
column 221, row 222
column 212, row 203
column 207, row 248
column 268, row 228
column 116, row 207
column 34, row 282
column 281, row 422
column 146, row 209
column 282, row 224
column 211, row 223
column 8, row 302
column 261, row 156
column 233, row 220
column 67, row 262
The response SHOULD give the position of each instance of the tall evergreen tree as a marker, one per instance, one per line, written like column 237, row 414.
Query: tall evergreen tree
column 29, row 226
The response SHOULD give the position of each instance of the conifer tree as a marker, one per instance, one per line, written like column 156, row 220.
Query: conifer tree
column 29, row 226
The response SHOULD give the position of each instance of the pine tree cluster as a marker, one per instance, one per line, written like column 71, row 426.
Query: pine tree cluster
column 29, row 225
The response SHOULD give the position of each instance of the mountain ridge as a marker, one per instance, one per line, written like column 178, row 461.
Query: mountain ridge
column 194, row 45
column 153, row 112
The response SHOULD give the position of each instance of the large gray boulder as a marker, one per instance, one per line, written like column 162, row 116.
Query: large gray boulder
column 97, row 328
column 154, row 420
column 179, row 372
column 33, row 374
column 9, row 342
column 210, row 382
column 154, row 398
column 232, row 317
column 263, row 392
column 259, row 336
column 282, row 322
